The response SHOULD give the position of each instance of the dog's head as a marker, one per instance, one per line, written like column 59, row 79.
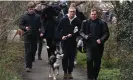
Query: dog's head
column 59, row 55
column 56, row 57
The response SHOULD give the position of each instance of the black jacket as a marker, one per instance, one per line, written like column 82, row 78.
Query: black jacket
column 49, row 27
column 33, row 21
column 65, row 28
column 95, row 29
column 49, row 21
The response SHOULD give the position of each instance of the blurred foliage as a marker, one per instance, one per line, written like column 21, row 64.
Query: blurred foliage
column 124, row 32
column 11, row 54
column 109, row 74
column 11, row 62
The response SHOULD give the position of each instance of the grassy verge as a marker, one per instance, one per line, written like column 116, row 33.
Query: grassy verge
column 105, row 73
column 11, row 62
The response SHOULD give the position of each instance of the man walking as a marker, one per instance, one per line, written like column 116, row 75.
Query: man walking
column 68, row 31
column 49, row 27
column 95, row 32
column 30, row 24
column 38, row 10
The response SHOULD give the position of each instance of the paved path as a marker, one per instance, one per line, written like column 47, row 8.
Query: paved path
column 40, row 70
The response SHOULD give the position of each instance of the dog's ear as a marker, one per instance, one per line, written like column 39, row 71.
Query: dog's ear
column 57, row 52
column 59, row 55
column 62, row 55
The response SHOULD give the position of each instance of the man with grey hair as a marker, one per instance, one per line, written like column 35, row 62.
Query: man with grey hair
column 67, row 31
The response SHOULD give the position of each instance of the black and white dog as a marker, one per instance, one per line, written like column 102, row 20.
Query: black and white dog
column 54, row 64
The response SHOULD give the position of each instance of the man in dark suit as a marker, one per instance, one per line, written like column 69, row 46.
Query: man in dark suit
column 95, row 32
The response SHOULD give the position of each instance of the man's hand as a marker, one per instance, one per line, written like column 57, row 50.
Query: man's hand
column 69, row 35
column 41, row 35
column 27, row 28
column 99, row 41
column 64, row 38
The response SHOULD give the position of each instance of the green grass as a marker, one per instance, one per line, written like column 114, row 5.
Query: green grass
column 11, row 62
column 105, row 73
column 8, row 75
column 109, row 74
column 81, row 59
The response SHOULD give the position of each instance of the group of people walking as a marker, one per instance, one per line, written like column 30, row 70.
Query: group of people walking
column 63, row 24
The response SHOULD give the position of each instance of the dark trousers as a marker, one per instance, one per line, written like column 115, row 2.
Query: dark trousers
column 40, row 44
column 68, row 58
column 52, row 46
column 30, row 50
column 58, row 45
column 94, row 55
